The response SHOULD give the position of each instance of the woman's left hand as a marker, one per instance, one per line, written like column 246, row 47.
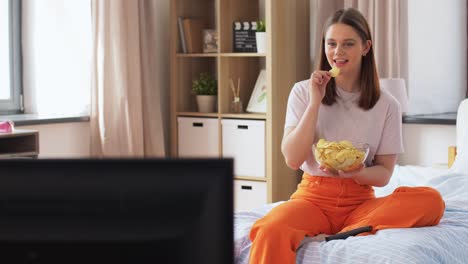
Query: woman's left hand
column 342, row 174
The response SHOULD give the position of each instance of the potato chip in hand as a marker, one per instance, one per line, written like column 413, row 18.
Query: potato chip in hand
column 335, row 71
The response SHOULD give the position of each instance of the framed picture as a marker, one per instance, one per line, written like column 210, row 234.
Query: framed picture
column 210, row 41
column 258, row 99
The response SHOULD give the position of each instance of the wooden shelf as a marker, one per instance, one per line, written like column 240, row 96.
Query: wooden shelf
column 212, row 55
column 286, row 62
column 234, row 54
column 196, row 55
column 19, row 143
column 197, row 114
column 258, row 116
column 245, row 116
column 247, row 178
column 19, row 155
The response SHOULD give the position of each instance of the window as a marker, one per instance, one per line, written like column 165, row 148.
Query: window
column 50, row 57
column 437, row 57
column 57, row 49
column 10, row 48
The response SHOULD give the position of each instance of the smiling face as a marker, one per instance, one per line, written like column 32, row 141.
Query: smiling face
column 344, row 49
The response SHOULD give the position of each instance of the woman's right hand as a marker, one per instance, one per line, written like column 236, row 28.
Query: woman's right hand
column 318, row 84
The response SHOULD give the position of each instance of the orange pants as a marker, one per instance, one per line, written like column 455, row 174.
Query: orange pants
column 326, row 205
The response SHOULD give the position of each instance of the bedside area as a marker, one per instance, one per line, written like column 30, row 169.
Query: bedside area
column 426, row 138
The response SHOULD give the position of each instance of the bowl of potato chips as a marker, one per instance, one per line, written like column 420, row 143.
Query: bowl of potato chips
column 343, row 155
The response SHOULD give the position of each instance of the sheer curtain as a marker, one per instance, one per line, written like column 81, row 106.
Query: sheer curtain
column 126, row 99
column 384, row 20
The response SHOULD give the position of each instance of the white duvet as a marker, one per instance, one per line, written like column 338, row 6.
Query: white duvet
column 445, row 243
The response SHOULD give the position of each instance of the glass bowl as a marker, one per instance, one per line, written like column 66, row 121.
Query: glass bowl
column 344, row 155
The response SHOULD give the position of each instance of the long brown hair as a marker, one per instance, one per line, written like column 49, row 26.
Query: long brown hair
column 369, row 81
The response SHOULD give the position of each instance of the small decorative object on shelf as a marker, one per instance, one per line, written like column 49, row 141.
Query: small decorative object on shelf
column 244, row 36
column 6, row 126
column 260, row 37
column 258, row 99
column 206, row 90
column 210, row 41
column 236, row 104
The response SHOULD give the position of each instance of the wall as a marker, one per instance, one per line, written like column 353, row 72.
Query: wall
column 427, row 145
column 436, row 55
column 64, row 140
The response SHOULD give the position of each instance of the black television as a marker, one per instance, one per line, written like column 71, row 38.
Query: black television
column 116, row 211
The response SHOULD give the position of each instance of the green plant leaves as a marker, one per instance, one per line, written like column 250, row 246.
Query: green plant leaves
column 261, row 27
column 205, row 85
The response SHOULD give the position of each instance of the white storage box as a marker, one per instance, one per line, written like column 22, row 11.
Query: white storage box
column 249, row 195
column 198, row 137
column 244, row 140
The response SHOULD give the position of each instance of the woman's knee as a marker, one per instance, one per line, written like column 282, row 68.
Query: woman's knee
column 427, row 202
column 267, row 227
column 435, row 205
column 435, row 200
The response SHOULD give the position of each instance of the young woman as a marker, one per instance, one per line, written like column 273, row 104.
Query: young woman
column 352, row 107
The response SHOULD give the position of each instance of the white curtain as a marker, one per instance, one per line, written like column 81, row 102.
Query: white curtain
column 127, row 83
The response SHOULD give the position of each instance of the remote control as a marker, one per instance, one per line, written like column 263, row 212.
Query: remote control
column 349, row 233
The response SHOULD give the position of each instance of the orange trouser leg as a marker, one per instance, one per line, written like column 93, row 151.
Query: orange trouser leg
column 405, row 207
column 276, row 236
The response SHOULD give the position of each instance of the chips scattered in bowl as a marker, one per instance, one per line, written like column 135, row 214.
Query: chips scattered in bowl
column 343, row 155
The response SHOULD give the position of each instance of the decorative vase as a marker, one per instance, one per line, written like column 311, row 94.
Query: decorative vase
column 206, row 103
column 236, row 106
column 261, row 38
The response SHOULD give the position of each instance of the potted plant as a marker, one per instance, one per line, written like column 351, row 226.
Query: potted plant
column 260, row 36
column 206, row 90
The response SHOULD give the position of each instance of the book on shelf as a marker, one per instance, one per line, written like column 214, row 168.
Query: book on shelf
column 193, row 30
column 183, row 45
column 244, row 36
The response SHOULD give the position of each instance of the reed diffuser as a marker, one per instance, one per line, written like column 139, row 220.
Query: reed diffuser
column 236, row 104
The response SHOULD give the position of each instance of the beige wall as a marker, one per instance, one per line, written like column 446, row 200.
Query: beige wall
column 426, row 145
column 64, row 140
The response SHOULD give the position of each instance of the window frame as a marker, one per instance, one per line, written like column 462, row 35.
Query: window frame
column 15, row 104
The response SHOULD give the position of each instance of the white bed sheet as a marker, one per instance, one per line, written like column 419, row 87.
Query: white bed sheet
column 445, row 243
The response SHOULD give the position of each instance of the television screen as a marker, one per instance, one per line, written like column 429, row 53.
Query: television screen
column 116, row 211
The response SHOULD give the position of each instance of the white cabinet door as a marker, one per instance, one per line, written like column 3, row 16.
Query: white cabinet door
column 249, row 195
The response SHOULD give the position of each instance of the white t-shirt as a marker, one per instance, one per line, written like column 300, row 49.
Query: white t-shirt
column 380, row 127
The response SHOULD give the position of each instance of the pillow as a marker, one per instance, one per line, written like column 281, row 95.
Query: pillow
column 409, row 175
column 461, row 161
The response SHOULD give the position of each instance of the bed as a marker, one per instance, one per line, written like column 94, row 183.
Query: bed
column 444, row 243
